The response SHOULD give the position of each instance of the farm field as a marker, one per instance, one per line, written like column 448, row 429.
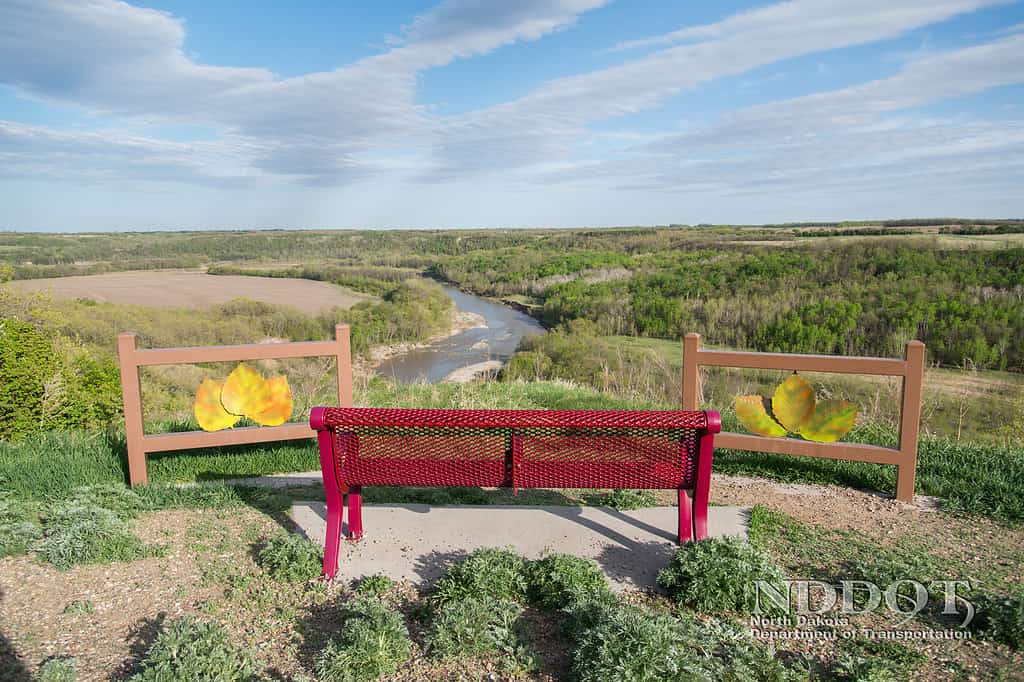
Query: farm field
column 193, row 289
column 119, row 580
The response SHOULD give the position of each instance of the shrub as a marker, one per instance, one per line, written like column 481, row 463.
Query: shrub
column 1000, row 619
column 372, row 643
column 121, row 500
column 559, row 579
column 620, row 642
column 865, row 660
column 498, row 573
column 18, row 526
column 56, row 670
column 374, row 585
column 29, row 378
column 87, row 534
column 718, row 574
column 195, row 651
column 291, row 558
column 474, row 627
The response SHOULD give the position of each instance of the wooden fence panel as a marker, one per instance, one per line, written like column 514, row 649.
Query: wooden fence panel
column 910, row 369
column 131, row 358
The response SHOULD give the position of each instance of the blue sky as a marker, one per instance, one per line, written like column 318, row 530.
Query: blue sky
column 469, row 113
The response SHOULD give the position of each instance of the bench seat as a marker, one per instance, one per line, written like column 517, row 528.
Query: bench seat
column 515, row 449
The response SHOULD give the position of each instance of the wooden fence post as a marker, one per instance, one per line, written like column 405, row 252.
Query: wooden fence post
column 131, row 398
column 691, row 371
column 910, row 420
column 341, row 333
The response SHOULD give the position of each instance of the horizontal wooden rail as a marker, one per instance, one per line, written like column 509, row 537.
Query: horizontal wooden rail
column 804, row 363
column 252, row 351
column 190, row 440
column 856, row 452
column 131, row 358
column 910, row 368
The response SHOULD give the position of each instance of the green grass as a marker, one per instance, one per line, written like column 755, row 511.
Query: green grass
column 971, row 478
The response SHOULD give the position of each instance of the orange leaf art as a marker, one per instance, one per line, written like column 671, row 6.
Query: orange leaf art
column 280, row 403
column 245, row 392
column 208, row 410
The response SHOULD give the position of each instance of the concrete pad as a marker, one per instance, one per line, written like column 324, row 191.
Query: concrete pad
column 417, row 542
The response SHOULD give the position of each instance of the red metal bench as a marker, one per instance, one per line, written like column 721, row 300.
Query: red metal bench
column 512, row 448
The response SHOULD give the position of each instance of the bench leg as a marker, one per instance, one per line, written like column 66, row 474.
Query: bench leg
column 335, row 505
column 685, row 519
column 332, row 543
column 355, row 512
column 702, row 488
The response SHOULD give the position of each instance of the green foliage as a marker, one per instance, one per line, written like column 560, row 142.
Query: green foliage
column 497, row 573
column 86, row 534
column 1000, row 618
column 559, row 579
column 374, row 585
column 189, row 650
column 717, row 575
column 473, row 627
column 620, row 642
column 869, row 660
column 291, row 558
column 120, row 499
column 19, row 526
column 626, row 499
column 371, row 644
column 29, row 379
column 56, row 670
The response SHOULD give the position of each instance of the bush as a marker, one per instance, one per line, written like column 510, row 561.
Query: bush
column 18, row 526
column 29, row 379
column 372, row 643
column 497, row 573
column 474, row 627
column 866, row 660
column 195, row 651
column 718, row 575
column 1000, row 619
column 559, row 579
column 620, row 642
column 56, row 670
column 374, row 585
column 87, row 534
column 121, row 500
column 291, row 558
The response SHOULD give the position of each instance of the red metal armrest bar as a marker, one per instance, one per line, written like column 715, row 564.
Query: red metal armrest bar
column 512, row 448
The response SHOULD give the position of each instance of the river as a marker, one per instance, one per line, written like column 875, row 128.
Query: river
column 497, row 341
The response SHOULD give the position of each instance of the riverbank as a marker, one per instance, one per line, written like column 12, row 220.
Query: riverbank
column 462, row 320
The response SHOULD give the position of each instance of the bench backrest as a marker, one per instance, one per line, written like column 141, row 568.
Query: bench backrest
column 516, row 448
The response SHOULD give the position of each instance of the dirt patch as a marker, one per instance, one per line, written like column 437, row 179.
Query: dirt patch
column 194, row 289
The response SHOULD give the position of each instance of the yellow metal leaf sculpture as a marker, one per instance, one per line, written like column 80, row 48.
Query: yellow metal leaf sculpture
column 752, row 414
column 245, row 391
column 793, row 402
column 794, row 411
column 209, row 412
column 832, row 419
column 220, row 404
column 280, row 403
